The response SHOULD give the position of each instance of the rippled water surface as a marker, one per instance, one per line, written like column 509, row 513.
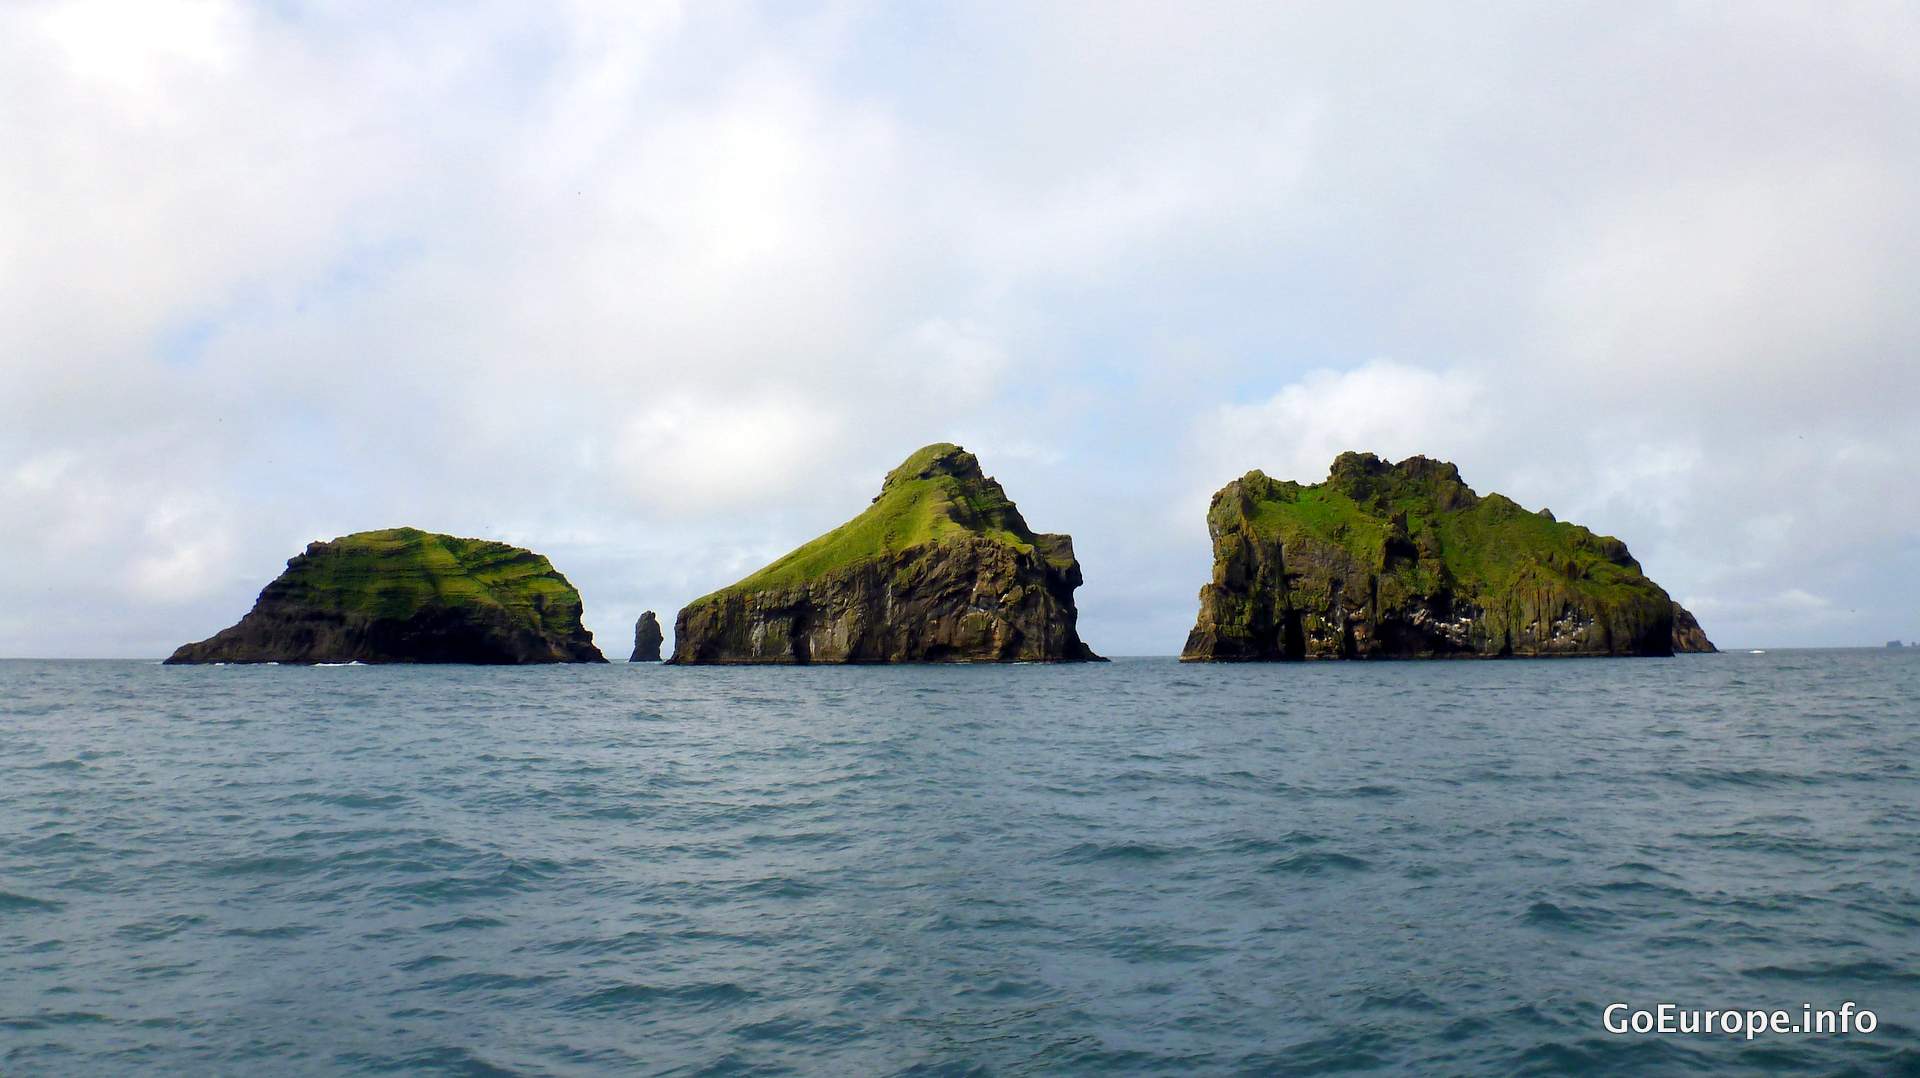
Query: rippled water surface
column 1137, row 867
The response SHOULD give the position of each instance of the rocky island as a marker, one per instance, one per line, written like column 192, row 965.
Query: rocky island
column 407, row 596
column 941, row 567
column 646, row 639
column 1406, row 561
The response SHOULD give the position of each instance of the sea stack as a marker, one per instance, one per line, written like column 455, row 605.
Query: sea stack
column 1688, row 637
column 940, row 568
column 646, row 639
column 407, row 596
column 1405, row 561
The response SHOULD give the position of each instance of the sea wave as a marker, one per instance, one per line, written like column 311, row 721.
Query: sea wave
column 1145, row 868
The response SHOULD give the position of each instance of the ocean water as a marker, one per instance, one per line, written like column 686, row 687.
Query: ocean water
column 1129, row 868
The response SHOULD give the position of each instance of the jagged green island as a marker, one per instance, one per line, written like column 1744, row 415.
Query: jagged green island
column 1405, row 561
column 407, row 596
column 940, row 568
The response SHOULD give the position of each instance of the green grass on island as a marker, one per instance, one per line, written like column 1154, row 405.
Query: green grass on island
column 938, row 494
column 396, row 572
column 1477, row 544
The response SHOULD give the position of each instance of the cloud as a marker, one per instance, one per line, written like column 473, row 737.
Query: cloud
column 1384, row 407
column 685, row 454
column 184, row 551
column 1737, row 617
column 665, row 290
column 959, row 362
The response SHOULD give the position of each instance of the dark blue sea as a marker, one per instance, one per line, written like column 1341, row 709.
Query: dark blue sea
column 1135, row 868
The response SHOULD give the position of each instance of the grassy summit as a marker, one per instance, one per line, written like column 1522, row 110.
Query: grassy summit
column 941, row 567
column 938, row 494
column 1380, row 514
column 1405, row 560
column 397, row 572
column 404, row 595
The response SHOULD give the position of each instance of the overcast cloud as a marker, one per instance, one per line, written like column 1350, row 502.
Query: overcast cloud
column 663, row 291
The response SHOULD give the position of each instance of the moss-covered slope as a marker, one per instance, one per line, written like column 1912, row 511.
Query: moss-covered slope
column 1404, row 560
column 941, row 567
column 404, row 595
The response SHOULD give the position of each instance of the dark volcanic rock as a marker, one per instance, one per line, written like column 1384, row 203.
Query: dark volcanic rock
column 940, row 568
column 408, row 596
column 1688, row 637
column 646, row 639
column 1405, row 561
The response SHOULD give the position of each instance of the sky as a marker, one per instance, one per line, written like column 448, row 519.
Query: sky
column 662, row 291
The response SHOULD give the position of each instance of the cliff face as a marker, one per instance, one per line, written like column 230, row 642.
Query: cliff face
column 1688, row 637
column 408, row 596
column 1405, row 561
column 940, row 568
column 646, row 639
